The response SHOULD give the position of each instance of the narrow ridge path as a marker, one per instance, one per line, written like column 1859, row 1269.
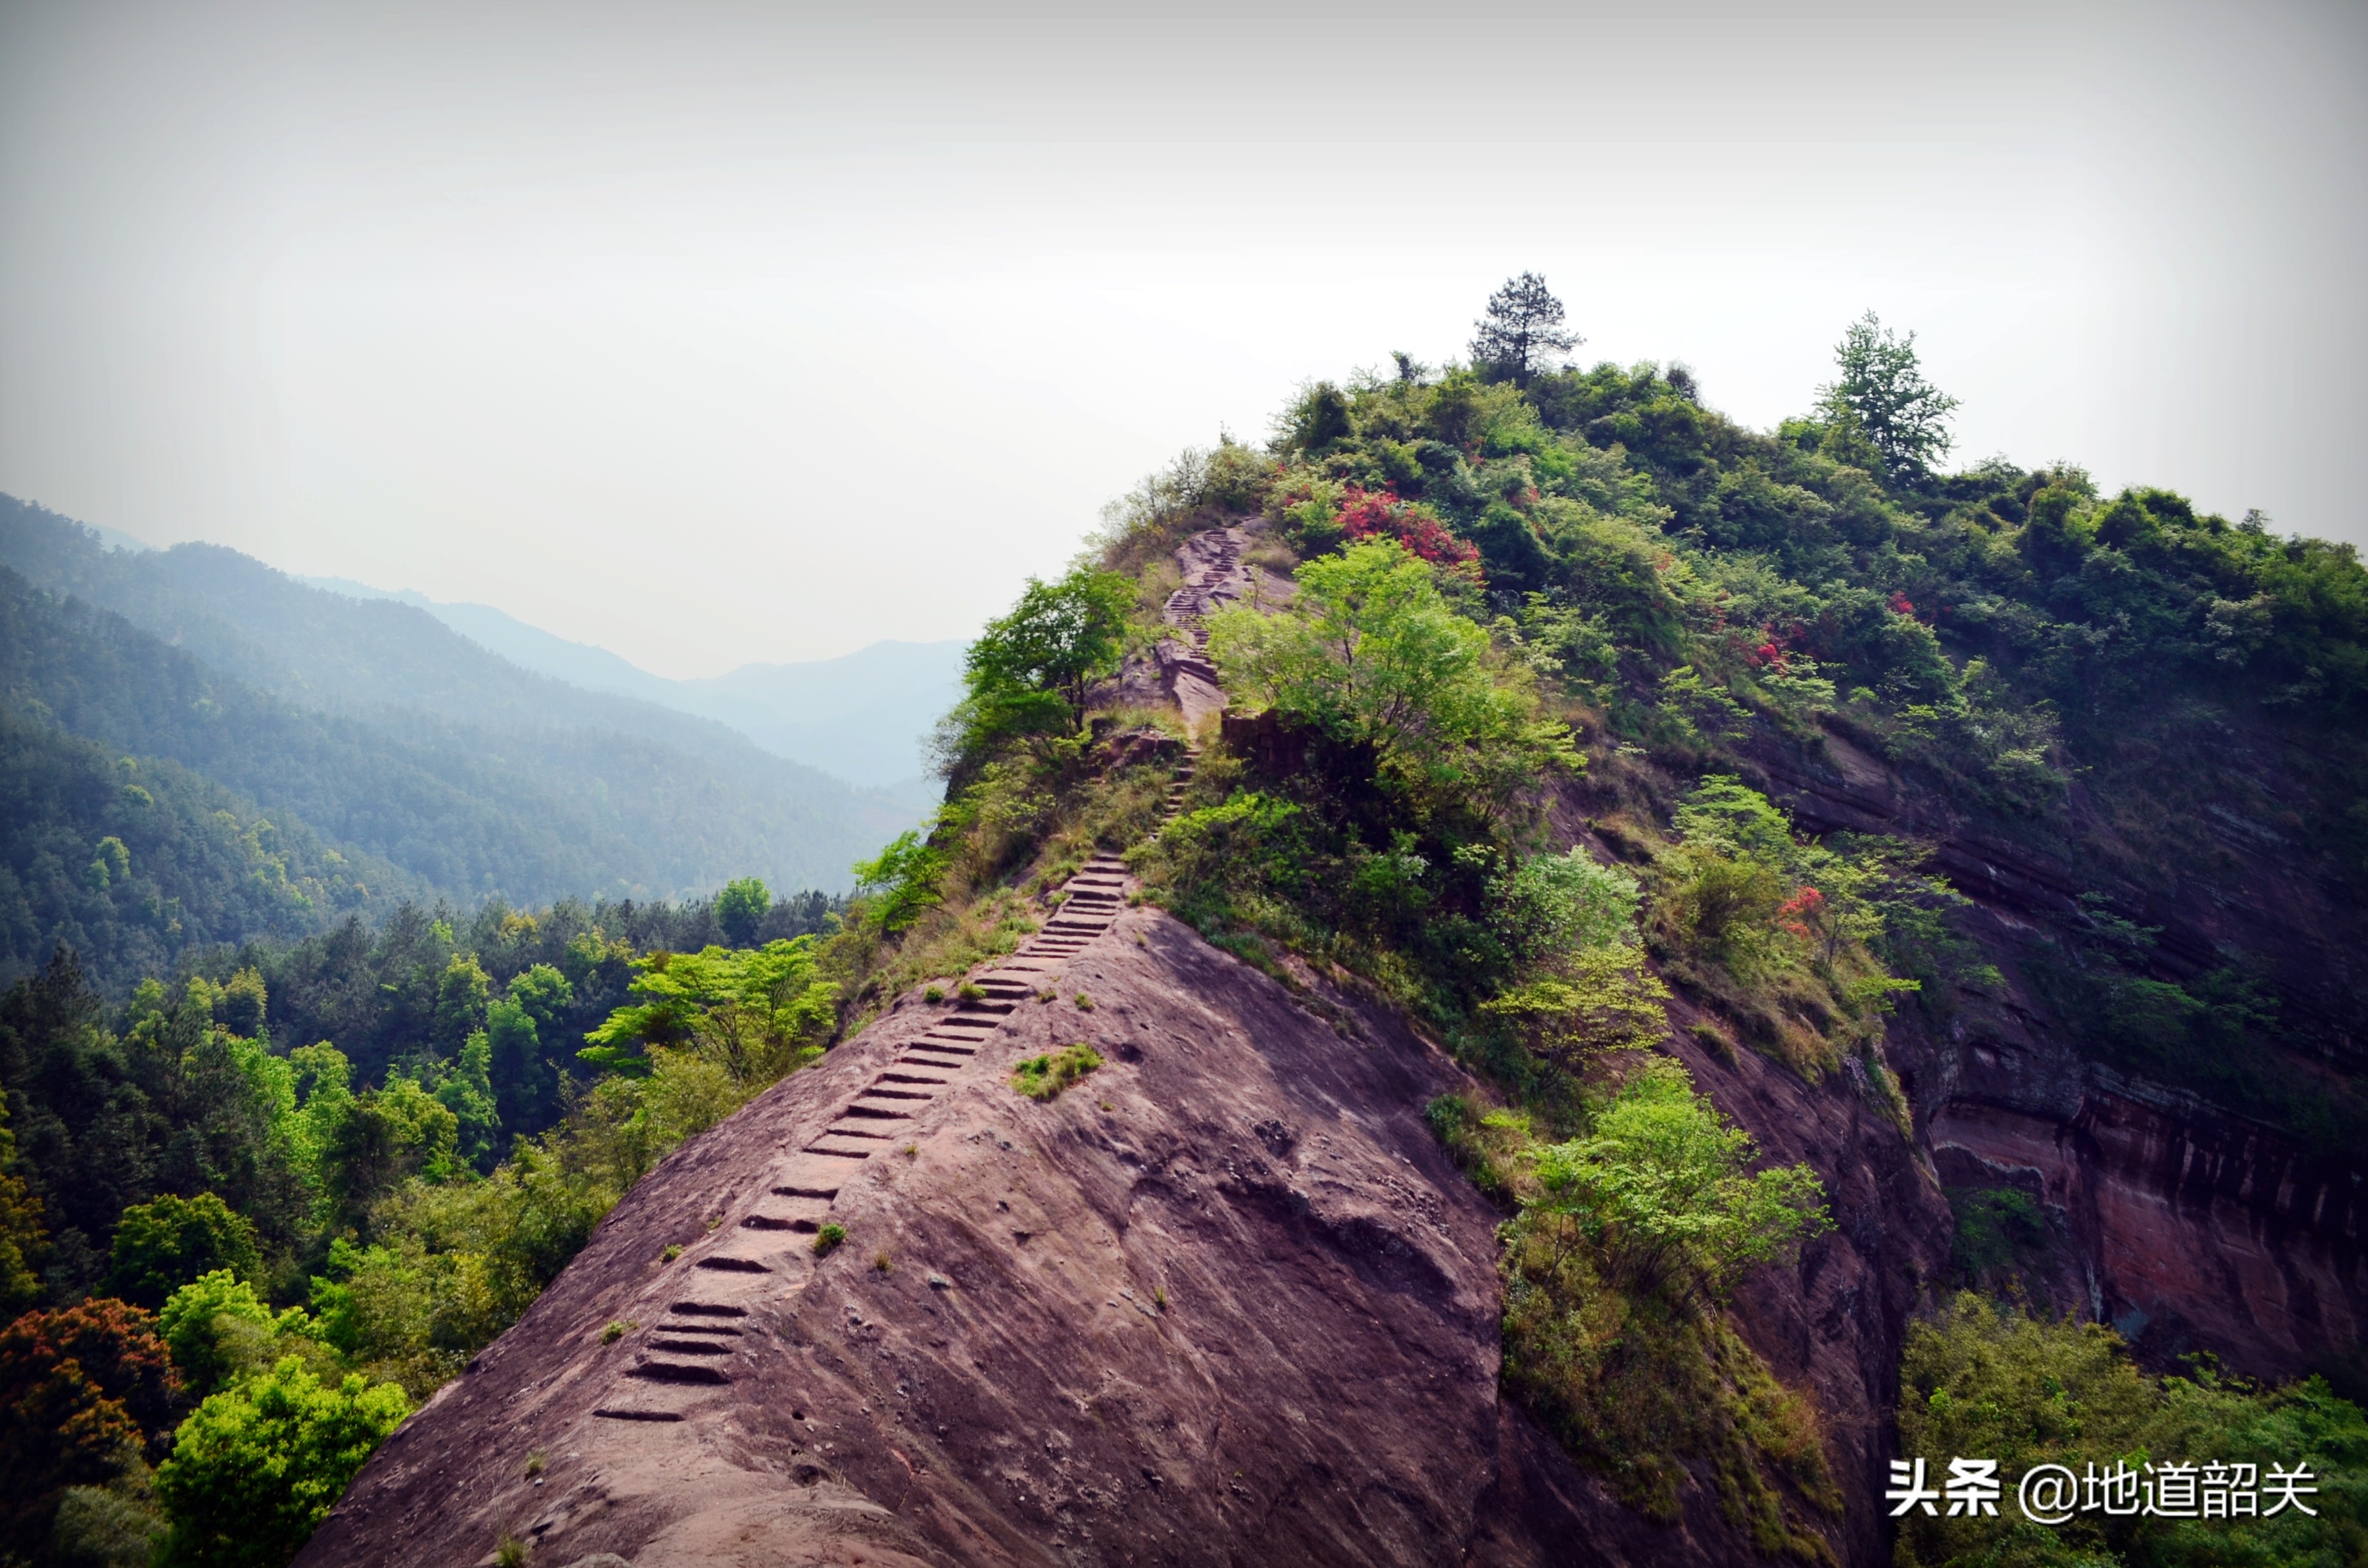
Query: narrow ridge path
column 1213, row 578
column 681, row 1363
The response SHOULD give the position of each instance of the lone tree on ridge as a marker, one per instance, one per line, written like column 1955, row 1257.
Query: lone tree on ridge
column 1882, row 399
column 1522, row 330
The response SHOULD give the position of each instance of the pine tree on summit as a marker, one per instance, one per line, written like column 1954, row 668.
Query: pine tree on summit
column 1522, row 329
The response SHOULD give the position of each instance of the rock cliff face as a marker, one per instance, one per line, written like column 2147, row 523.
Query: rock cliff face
column 1223, row 1301
column 2186, row 1226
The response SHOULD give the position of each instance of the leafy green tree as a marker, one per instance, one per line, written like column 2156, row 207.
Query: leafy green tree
column 1597, row 1000
column 1522, row 330
column 1664, row 1183
column 1371, row 652
column 385, row 1137
column 162, row 1245
column 462, row 992
column 243, row 1004
column 254, row 1468
column 753, row 1011
column 1557, row 904
column 217, row 1329
column 523, row 1083
column 741, row 908
column 902, row 882
column 1030, row 670
column 544, row 992
column 84, row 1392
column 1882, row 398
column 467, row 1091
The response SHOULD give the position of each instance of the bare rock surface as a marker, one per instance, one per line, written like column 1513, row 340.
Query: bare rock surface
column 1223, row 1301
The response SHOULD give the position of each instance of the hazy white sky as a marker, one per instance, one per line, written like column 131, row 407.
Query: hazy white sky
column 716, row 334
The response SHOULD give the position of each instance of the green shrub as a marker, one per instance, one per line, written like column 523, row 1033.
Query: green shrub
column 1043, row 1077
column 162, row 1245
column 1663, row 1185
column 1986, row 1380
column 826, row 1239
column 218, row 1330
column 1557, row 903
column 1601, row 999
column 253, row 1468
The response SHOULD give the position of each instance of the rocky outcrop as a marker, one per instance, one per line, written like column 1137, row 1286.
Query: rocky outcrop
column 1223, row 1302
column 2188, row 1227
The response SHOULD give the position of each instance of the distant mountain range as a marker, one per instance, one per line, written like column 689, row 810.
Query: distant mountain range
column 195, row 748
column 862, row 717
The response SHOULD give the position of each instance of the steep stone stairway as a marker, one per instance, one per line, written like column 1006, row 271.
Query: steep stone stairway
column 680, row 1364
column 1213, row 578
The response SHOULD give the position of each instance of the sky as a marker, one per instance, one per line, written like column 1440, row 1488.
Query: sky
column 724, row 333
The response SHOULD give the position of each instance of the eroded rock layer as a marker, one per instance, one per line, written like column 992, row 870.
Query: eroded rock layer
column 1223, row 1301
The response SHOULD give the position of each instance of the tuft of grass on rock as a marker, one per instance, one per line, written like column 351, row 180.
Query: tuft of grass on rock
column 934, row 994
column 1085, row 1003
column 670, row 1255
column 972, row 992
column 1043, row 1077
column 826, row 1239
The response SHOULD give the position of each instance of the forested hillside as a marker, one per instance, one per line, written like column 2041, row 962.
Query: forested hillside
column 864, row 717
column 401, row 744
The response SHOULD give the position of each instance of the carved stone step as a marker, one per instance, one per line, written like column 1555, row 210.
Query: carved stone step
column 679, row 1372
column 684, row 1347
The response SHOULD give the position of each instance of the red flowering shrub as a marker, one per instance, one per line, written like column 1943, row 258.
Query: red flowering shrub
column 77, row 1387
column 1377, row 514
column 1803, row 913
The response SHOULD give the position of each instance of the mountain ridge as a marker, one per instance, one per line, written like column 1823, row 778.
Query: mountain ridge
column 859, row 716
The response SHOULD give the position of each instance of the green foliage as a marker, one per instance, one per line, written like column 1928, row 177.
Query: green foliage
column 243, row 1004
column 1598, row 1000
column 1996, row 1227
column 1029, row 670
column 163, row 1244
column 754, row 1014
column 1881, row 402
column 1663, row 1186
column 387, row 1137
column 1372, row 653
column 1558, row 903
column 1522, row 330
column 1986, row 1380
column 1043, row 1077
column 900, row 883
column 467, row 1091
column 213, row 1326
column 462, row 992
column 741, row 907
column 1611, row 1262
column 254, row 1468
column 829, row 1238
